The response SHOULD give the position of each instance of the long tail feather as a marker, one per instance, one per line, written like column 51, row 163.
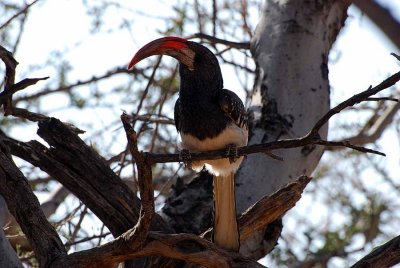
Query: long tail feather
column 226, row 234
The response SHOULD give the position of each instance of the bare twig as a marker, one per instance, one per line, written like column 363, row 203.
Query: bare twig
column 374, row 127
column 152, row 119
column 138, row 234
column 395, row 55
column 356, row 99
column 349, row 145
column 10, row 87
column 383, row 99
column 23, row 113
column 86, row 239
column 150, row 81
column 78, row 225
column 214, row 18
column 23, row 10
column 238, row 45
column 9, row 80
column 19, row 86
column 93, row 79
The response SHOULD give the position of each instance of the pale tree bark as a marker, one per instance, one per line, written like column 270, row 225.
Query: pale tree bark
column 290, row 46
column 8, row 257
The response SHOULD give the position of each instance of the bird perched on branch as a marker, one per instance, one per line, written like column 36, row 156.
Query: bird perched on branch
column 208, row 117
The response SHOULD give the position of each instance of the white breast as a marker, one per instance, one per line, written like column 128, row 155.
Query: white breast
column 231, row 135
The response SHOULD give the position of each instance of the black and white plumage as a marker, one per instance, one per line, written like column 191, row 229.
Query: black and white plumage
column 208, row 117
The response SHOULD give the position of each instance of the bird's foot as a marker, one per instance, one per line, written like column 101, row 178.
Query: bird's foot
column 232, row 153
column 185, row 157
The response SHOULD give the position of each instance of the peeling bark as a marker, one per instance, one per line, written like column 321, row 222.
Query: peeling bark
column 291, row 92
column 291, row 47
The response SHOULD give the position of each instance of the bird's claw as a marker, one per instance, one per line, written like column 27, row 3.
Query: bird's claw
column 232, row 153
column 185, row 157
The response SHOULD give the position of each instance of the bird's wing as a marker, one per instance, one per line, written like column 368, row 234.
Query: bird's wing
column 233, row 107
column 177, row 112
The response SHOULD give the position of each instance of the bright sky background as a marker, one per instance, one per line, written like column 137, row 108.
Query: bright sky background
column 362, row 55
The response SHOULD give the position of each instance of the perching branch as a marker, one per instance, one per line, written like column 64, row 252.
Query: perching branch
column 312, row 138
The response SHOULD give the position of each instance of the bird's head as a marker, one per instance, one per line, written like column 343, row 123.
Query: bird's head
column 199, row 68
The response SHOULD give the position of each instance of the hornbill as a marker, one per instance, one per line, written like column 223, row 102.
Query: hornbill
column 208, row 117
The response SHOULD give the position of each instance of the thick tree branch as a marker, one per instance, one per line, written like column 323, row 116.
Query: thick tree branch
column 269, row 208
column 383, row 256
column 382, row 17
column 81, row 170
column 186, row 247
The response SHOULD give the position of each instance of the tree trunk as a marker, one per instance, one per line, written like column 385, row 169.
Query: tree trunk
column 290, row 46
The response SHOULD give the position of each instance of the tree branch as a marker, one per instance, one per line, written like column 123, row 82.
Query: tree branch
column 382, row 17
column 186, row 247
column 269, row 208
column 23, row 10
column 374, row 127
column 311, row 138
column 383, row 256
column 9, row 79
column 9, row 86
column 215, row 40
column 145, row 180
column 82, row 171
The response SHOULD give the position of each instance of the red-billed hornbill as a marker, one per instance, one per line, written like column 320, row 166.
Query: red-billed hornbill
column 208, row 117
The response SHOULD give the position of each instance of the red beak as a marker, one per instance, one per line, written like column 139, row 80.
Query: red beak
column 173, row 46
